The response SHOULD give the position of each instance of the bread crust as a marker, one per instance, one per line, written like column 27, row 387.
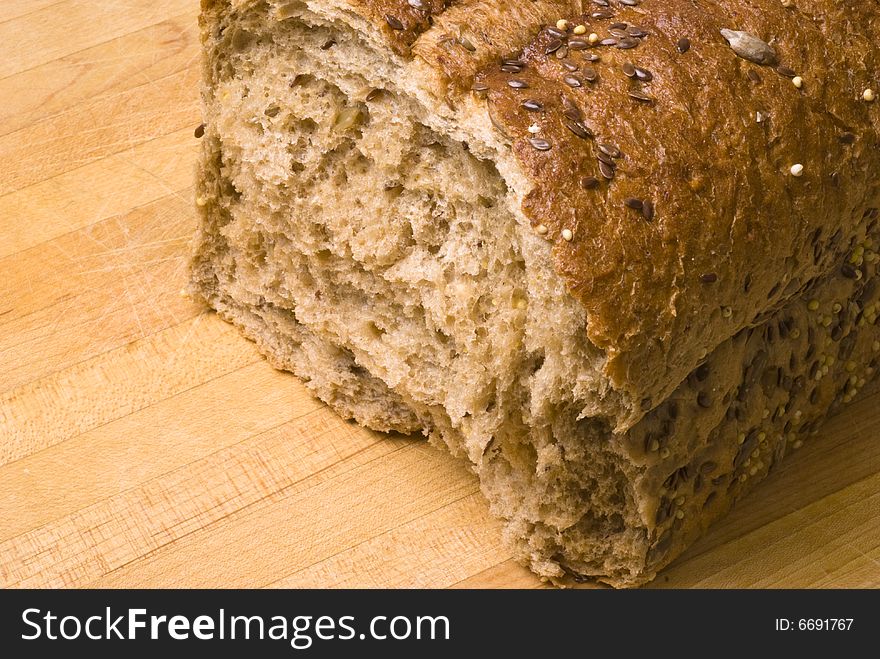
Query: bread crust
column 733, row 234
column 720, row 308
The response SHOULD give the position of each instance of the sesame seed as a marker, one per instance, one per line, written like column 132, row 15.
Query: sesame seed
column 541, row 229
column 609, row 149
column 750, row 47
column 567, row 235
column 797, row 170
column 593, row 38
column 813, row 305
column 580, row 29
column 577, row 128
column 869, row 95
column 641, row 96
column 571, row 111
column 604, row 157
column 562, row 24
column 664, row 453
column 727, row 312
column 539, row 144
column 635, row 31
column 393, row 22
column 798, row 82
column 534, row 128
column 553, row 46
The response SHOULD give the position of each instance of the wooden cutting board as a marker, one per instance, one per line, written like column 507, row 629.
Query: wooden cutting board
column 143, row 442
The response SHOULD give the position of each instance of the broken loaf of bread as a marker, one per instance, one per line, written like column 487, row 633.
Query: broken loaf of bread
column 618, row 255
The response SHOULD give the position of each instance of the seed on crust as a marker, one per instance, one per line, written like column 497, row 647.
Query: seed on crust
column 539, row 144
column 393, row 23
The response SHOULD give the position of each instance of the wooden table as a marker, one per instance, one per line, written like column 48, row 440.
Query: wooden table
column 143, row 442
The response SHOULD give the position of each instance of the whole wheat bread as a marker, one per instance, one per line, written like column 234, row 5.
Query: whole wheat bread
column 618, row 260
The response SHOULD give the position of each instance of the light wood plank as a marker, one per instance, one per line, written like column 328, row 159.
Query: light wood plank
column 60, row 29
column 432, row 551
column 508, row 574
column 94, row 290
column 99, row 128
column 244, row 478
column 139, row 58
column 111, row 186
column 840, row 533
column 376, row 496
column 15, row 8
column 113, row 385
column 145, row 445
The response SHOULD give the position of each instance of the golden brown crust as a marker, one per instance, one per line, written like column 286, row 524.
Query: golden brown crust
column 401, row 21
column 732, row 233
column 732, row 230
column 474, row 34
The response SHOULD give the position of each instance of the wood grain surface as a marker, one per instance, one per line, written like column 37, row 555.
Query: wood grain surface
column 143, row 442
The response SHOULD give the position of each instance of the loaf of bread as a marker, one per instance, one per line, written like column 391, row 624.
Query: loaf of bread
column 617, row 254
